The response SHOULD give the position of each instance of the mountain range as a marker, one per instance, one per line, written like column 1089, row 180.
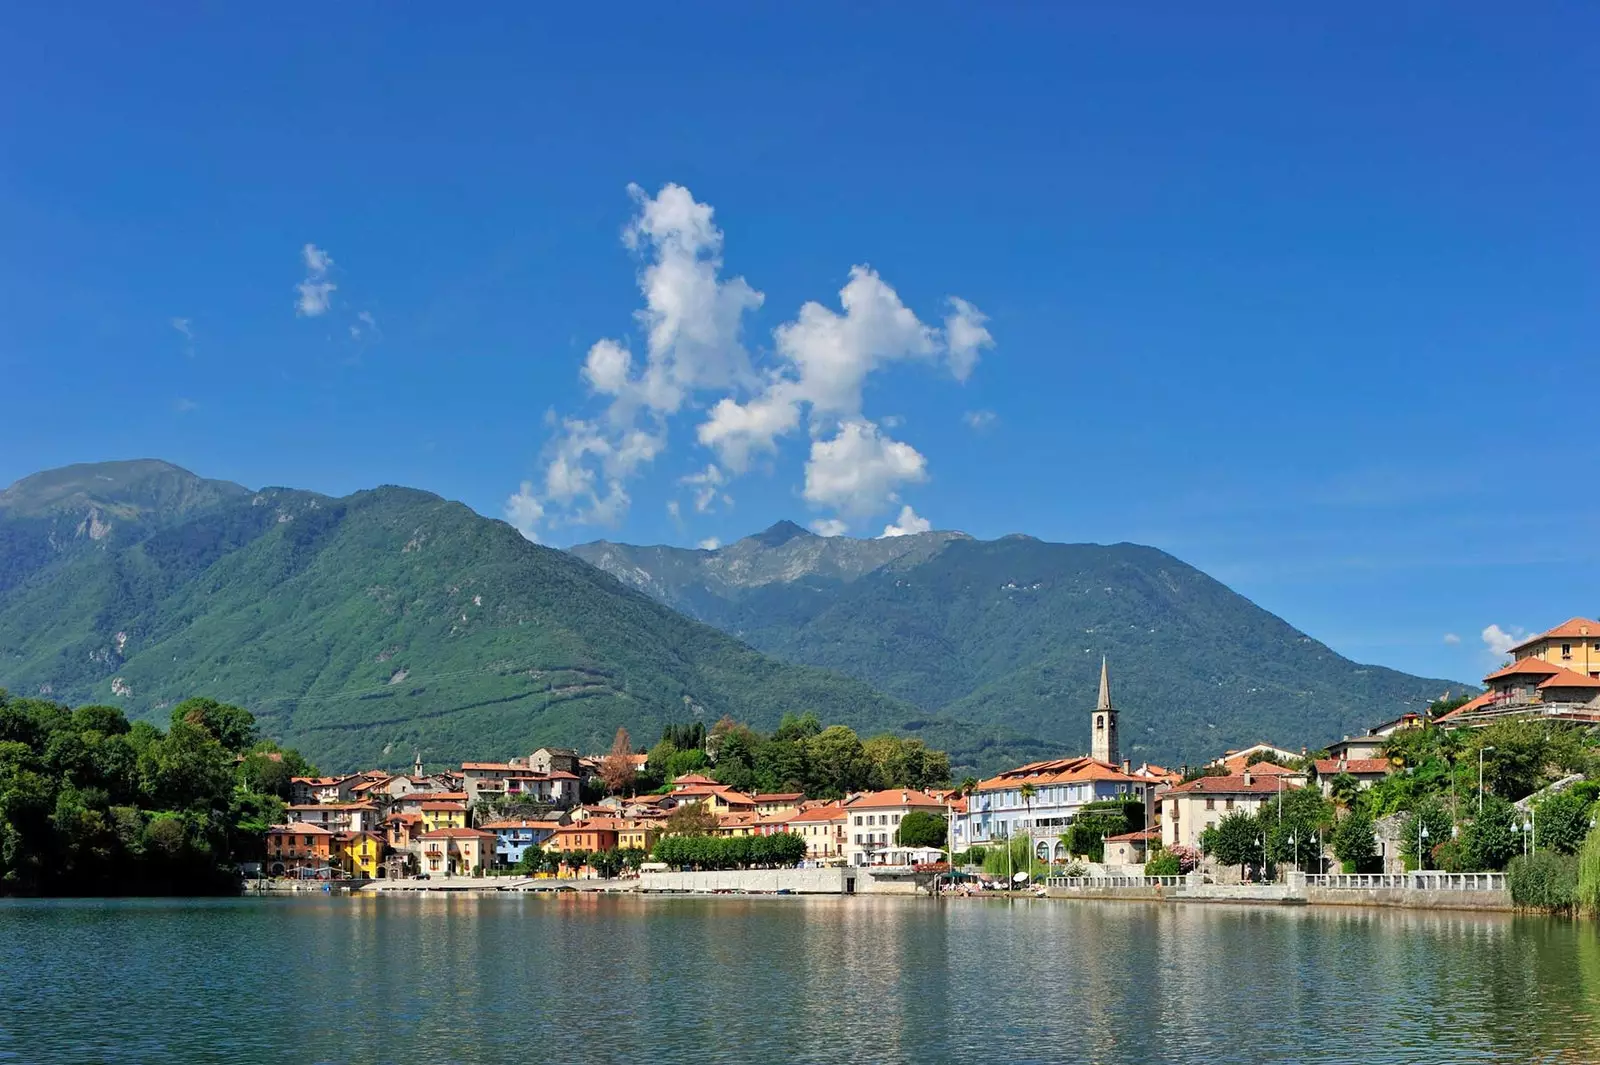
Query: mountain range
column 1013, row 630
column 365, row 628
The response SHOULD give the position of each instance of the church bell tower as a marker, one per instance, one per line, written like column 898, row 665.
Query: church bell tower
column 1103, row 745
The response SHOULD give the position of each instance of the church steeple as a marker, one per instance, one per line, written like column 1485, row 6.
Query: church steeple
column 1103, row 746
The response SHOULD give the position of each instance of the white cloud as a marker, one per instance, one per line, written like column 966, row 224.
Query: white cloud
column 186, row 327
column 183, row 405
column 1451, row 638
column 858, row 471
column 829, row 527
column 710, row 543
column 317, row 261
column 909, row 523
column 674, row 511
column 607, row 367
column 978, row 420
column 707, row 485
column 365, row 323
column 316, row 292
column 1500, row 641
column 965, row 336
column 693, row 357
column 524, row 511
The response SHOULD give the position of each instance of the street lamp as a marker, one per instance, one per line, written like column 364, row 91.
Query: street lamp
column 1481, row 750
column 1422, row 834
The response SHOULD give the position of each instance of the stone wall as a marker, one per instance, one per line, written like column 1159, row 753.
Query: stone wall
column 798, row 881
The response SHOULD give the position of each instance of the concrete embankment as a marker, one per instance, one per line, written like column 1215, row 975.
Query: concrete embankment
column 1472, row 891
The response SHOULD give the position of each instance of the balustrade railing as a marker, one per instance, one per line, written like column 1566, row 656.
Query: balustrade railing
column 1423, row 881
column 1087, row 882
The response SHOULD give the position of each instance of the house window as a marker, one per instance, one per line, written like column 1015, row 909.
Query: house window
column 1566, row 650
column 858, row 825
column 858, row 839
column 1211, row 804
column 1228, row 805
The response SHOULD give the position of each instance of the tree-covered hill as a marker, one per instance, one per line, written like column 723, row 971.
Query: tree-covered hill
column 366, row 628
column 1012, row 631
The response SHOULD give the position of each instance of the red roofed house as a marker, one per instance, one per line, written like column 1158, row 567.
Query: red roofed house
column 299, row 850
column 304, row 791
column 1555, row 674
column 1365, row 771
column 455, row 851
column 874, row 823
column 823, row 828
column 335, row 817
column 1189, row 809
column 1131, row 848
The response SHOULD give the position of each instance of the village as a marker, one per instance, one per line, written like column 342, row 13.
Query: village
column 1096, row 818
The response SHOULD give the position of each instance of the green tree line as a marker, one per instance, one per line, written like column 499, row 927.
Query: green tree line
column 91, row 804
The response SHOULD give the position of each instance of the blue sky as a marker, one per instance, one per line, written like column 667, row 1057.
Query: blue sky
column 1308, row 300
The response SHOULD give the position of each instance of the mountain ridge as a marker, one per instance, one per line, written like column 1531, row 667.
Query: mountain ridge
column 365, row 627
column 1012, row 629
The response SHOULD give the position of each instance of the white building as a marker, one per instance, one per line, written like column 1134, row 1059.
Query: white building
column 872, row 826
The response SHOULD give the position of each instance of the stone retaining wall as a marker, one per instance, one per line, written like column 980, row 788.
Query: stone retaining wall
column 798, row 881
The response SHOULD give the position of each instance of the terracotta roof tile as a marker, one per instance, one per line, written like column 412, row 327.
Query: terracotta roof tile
column 1230, row 786
column 1329, row 767
column 1572, row 628
column 1525, row 666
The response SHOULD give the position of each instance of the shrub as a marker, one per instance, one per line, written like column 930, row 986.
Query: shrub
column 1544, row 881
column 1164, row 864
column 1588, row 891
column 1075, row 869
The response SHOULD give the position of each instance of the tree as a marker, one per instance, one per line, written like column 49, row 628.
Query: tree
column 1344, row 789
column 1435, row 823
column 1163, row 864
column 1235, row 840
column 1295, row 825
column 232, row 726
column 922, row 828
column 1560, row 822
column 691, row 819
column 607, row 863
column 616, row 769
column 1492, row 839
column 1354, row 842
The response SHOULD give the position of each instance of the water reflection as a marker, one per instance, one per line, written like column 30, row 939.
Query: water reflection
column 513, row 979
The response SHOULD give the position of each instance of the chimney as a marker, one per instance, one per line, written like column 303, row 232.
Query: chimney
column 1127, row 767
column 904, row 798
column 1249, row 777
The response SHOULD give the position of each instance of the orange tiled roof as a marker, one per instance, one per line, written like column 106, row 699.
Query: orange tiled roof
column 456, row 833
column 335, row 806
column 828, row 811
column 489, row 766
column 891, row 798
column 523, row 823
column 1569, row 679
column 1058, row 771
column 1145, row 834
column 442, row 807
column 1528, row 666
column 1572, row 628
column 1329, row 767
column 780, row 796
column 301, row 828
column 1230, row 786
column 1467, row 707
column 593, row 824
column 435, row 796
column 1271, row 769
column 693, row 778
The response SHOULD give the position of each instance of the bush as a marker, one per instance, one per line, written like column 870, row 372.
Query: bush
column 1588, row 892
column 1164, row 864
column 731, row 852
column 1075, row 869
column 1544, row 881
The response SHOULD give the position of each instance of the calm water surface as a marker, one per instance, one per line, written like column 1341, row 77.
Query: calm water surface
column 492, row 980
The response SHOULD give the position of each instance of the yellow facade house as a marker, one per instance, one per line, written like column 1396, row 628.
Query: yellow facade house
column 444, row 814
column 360, row 854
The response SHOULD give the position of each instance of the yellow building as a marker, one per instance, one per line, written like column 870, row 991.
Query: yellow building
column 786, row 803
column 360, row 854
column 1574, row 645
column 640, row 835
column 442, row 815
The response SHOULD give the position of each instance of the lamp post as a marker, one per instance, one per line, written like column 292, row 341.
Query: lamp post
column 1422, row 835
column 1481, row 751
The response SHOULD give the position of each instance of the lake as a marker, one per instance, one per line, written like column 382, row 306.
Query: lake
column 768, row 980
